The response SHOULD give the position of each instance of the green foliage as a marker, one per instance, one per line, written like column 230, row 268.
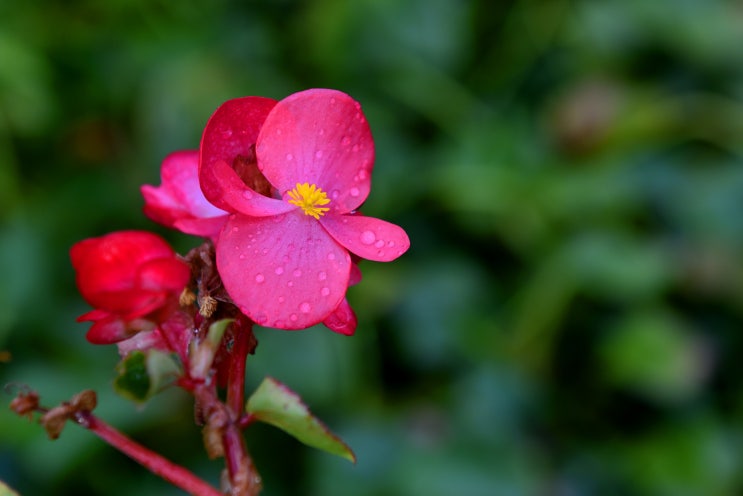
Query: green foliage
column 568, row 319
column 276, row 404
column 144, row 374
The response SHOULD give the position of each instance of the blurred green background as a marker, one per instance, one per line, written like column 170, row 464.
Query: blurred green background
column 568, row 319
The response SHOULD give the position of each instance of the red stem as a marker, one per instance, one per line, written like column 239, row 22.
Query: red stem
column 241, row 346
column 155, row 463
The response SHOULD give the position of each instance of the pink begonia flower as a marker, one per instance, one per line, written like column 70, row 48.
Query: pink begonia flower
column 133, row 279
column 283, row 254
column 179, row 203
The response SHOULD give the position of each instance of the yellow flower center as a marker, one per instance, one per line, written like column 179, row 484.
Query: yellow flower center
column 309, row 198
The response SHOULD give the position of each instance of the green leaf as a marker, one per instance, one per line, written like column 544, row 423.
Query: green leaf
column 143, row 374
column 201, row 355
column 6, row 491
column 276, row 404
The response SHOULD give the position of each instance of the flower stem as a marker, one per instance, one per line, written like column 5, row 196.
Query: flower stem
column 155, row 463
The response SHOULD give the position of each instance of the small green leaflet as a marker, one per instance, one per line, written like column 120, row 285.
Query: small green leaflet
column 144, row 374
column 276, row 404
column 6, row 491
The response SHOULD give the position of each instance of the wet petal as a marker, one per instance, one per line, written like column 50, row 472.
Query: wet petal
column 236, row 196
column 282, row 271
column 367, row 237
column 231, row 131
column 320, row 137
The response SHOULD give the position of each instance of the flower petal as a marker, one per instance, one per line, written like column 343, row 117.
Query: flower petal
column 367, row 237
column 109, row 263
column 342, row 320
column 231, row 131
column 179, row 197
column 320, row 137
column 282, row 271
column 236, row 196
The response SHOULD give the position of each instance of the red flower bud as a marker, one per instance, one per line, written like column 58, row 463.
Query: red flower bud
column 132, row 278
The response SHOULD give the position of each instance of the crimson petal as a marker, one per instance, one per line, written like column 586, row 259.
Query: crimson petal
column 231, row 131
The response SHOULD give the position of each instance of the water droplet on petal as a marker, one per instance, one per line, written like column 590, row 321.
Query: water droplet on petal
column 355, row 148
column 331, row 256
column 345, row 141
column 322, row 275
column 242, row 256
column 293, row 317
column 334, row 194
column 325, row 291
column 235, row 229
column 297, row 273
column 226, row 133
column 379, row 243
column 380, row 253
column 261, row 318
column 368, row 237
column 289, row 156
column 318, row 154
column 390, row 244
column 279, row 324
column 278, row 132
column 305, row 307
column 279, row 271
column 354, row 192
column 363, row 174
column 332, row 101
column 247, row 195
column 259, row 278
column 282, row 299
column 290, row 284
column 321, row 132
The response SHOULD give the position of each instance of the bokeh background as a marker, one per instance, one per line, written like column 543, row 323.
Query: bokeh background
column 568, row 319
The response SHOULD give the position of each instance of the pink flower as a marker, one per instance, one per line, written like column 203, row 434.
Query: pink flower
column 179, row 203
column 132, row 278
column 283, row 253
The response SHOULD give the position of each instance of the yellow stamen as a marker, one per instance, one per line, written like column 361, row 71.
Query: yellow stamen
column 309, row 197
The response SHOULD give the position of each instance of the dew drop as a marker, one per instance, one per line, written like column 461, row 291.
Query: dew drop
column 355, row 148
column 289, row 156
column 354, row 192
column 390, row 244
column 363, row 174
column 322, row 275
column 259, row 278
column 235, row 229
column 325, row 291
column 331, row 256
column 379, row 243
column 247, row 195
column 293, row 317
column 305, row 307
column 290, row 284
column 380, row 253
column 318, row 154
column 368, row 237
column 264, row 251
column 345, row 141
column 261, row 318
column 227, row 133
column 279, row 324
column 321, row 132
column 332, row 101
column 334, row 194
column 242, row 256
column 279, row 271
column 297, row 273
column 282, row 299
column 278, row 132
